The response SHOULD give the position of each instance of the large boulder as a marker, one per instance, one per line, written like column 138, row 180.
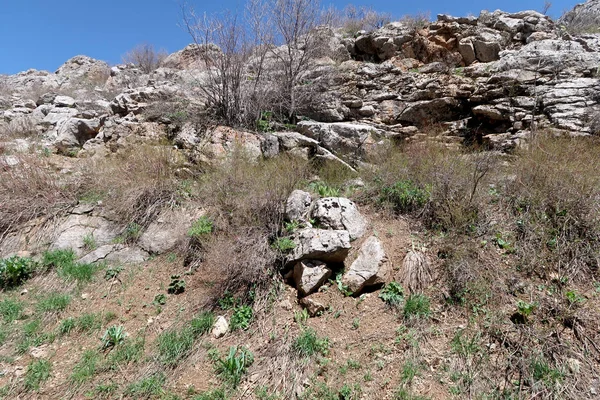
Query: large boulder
column 310, row 275
column 369, row 269
column 320, row 244
column 340, row 213
column 341, row 137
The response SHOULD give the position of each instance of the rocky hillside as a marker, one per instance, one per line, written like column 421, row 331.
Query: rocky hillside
column 426, row 226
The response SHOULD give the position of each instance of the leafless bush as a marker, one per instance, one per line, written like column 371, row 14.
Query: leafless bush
column 415, row 272
column 145, row 57
column 261, row 57
column 416, row 21
column 353, row 19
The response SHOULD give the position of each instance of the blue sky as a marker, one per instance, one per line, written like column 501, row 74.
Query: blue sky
column 43, row 34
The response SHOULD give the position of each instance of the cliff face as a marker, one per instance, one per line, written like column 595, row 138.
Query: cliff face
column 583, row 18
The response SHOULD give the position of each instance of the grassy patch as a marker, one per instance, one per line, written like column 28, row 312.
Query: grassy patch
column 37, row 373
column 11, row 310
column 66, row 267
column 232, row 367
column 53, row 302
column 308, row 344
column 86, row 368
column 417, row 305
column 147, row 387
column 130, row 351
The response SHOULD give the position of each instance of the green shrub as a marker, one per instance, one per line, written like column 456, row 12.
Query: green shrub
column 392, row 294
column 324, row 190
column 405, row 196
column 37, row 373
column 113, row 272
column 201, row 227
column 308, row 344
column 232, row 367
column 15, row 270
column 11, row 310
column 177, row 285
column 350, row 392
column 241, row 318
column 58, row 258
column 416, row 305
column 53, row 302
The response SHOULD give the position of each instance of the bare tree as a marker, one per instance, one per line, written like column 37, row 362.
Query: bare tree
column 145, row 57
column 547, row 5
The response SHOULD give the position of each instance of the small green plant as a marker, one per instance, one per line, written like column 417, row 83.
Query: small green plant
column 53, row 302
column 324, row 190
column 129, row 351
column 64, row 262
column 177, row 285
column 392, row 294
column 37, row 373
column 574, row 298
column 301, row 316
column 405, row 196
column 86, row 368
column 241, row 318
column 416, row 306
column 503, row 243
column 409, row 371
column 147, row 387
column 308, row 344
column 350, row 392
column 344, row 289
column 264, row 122
column 284, row 245
column 356, row 323
column 66, row 326
column 201, row 227
column 103, row 390
column 131, row 234
column 542, row 372
column 228, row 301
column 58, row 258
column 292, row 226
column 525, row 309
column 15, row 270
column 89, row 242
column 11, row 310
column 160, row 300
column 113, row 272
column 113, row 336
column 232, row 367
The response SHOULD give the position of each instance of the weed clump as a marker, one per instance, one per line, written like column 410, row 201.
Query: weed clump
column 15, row 270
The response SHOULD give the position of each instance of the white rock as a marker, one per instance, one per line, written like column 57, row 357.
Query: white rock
column 220, row 327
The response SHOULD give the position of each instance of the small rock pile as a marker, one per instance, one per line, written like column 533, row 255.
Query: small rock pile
column 322, row 245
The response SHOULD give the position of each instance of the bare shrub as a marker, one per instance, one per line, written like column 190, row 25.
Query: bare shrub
column 353, row 19
column 145, row 57
column 555, row 198
column 247, row 201
column 136, row 186
column 416, row 21
column 257, row 60
column 31, row 189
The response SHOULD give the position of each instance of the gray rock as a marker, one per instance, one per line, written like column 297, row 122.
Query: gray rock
column 220, row 327
column 369, row 269
column 320, row 244
column 74, row 132
column 310, row 275
column 297, row 206
column 341, row 137
column 314, row 308
column 70, row 233
column 64, row 101
column 340, row 213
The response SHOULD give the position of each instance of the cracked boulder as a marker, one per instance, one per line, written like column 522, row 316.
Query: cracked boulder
column 310, row 275
column 320, row 244
column 369, row 269
column 340, row 213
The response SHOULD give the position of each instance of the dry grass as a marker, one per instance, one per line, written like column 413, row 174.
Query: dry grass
column 32, row 189
column 136, row 186
column 20, row 127
column 555, row 202
column 415, row 272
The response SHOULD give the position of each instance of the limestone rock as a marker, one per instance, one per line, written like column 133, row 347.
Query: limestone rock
column 320, row 244
column 220, row 327
column 340, row 213
column 74, row 132
column 369, row 269
column 297, row 206
column 310, row 275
